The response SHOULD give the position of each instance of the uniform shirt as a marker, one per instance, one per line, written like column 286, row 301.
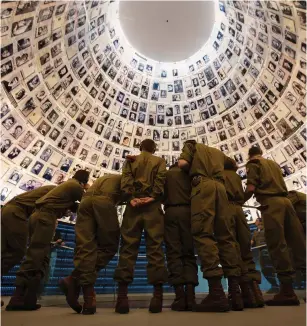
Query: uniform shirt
column 145, row 177
column 108, row 185
column 177, row 187
column 297, row 197
column 233, row 185
column 62, row 197
column 28, row 199
column 204, row 160
column 266, row 176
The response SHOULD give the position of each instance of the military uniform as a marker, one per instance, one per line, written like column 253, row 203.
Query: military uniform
column 211, row 221
column 144, row 177
column 241, row 231
column 282, row 226
column 181, row 260
column 298, row 200
column 97, row 237
column 41, row 228
column 14, row 226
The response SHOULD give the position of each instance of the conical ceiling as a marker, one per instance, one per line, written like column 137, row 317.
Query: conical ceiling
column 75, row 93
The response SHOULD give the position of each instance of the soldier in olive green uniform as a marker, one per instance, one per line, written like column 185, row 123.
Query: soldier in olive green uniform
column 143, row 179
column 250, row 277
column 97, row 238
column 298, row 200
column 181, row 260
column 14, row 226
column 282, row 226
column 211, row 225
column 41, row 227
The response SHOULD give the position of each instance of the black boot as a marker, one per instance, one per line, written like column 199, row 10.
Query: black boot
column 248, row 295
column 122, row 303
column 157, row 299
column 190, row 296
column 2, row 303
column 89, row 296
column 18, row 303
column 216, row 300
column 179, row 304
column 236, row 302
column 71, row 289
column 258, row 294
column 285, row 297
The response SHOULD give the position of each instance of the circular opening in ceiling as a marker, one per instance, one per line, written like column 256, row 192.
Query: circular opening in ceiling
column 167, row 31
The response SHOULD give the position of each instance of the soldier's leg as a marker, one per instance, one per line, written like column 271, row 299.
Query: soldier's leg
column 173, row 247
column 14, row 237
column 156, row 271
column 295, row 238
column 274, row 217
column 203, row 199
column 131, row 233
column 190, row 269
column 85, row 256
column 227, row 247
column 108, row 232
column 267, row 270
column 42, row 224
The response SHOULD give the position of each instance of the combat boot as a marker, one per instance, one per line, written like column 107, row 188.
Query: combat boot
column 285, row 297
column 157, row 299
column 258, row 294
column 236, row 302
column 122, row 303
column 216, row 300
column 190, row 296
column 2, row 303
column 179, row 304
column 248, row 295
column 70, row 287
column 17, row 301
column 89, row 296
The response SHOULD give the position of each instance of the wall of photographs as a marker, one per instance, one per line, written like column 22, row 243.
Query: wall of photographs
column 75, row 94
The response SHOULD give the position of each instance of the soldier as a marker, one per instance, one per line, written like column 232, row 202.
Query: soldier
column 282, row 226
column 250, row 277
column 211, row 225
column 143, row 179
column 181, row 260
column 42, row 225
column 298, row 200
column 97, row 238
column 14, row 227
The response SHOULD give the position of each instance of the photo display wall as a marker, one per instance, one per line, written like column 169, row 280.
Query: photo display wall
column 75, row 94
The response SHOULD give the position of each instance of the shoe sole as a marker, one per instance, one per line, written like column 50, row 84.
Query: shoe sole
column 64, row 288
column 282, row 304
column 90, row 311
column 22, row 308
column 201, row 308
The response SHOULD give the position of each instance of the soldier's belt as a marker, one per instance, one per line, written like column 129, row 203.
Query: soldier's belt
column 196, row 179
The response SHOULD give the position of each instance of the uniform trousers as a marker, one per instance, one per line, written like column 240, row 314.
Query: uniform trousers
column 181, row 260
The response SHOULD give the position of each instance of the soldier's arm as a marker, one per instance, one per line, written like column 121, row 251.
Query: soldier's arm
column 186, row 156
column 252, row 170
column 159, row 182
column 127, row 181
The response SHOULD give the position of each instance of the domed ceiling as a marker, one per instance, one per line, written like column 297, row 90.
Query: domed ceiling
column 84, row 82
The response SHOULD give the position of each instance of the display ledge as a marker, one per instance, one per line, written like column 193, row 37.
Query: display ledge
column 135, row 300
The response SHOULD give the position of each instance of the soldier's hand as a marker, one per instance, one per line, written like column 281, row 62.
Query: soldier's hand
column 146, row 200
column 135, row 202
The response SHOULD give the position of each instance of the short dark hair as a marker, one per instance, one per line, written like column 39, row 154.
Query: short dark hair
column 82, row 176
column 255, row 150
column 148, row 145
column 230, row 164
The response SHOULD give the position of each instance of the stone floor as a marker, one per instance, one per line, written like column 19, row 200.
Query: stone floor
column 63, row 316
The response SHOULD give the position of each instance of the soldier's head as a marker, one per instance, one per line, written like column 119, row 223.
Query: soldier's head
column 254, row 151
column 82, row 177
column 230, row 164
column 148, row 145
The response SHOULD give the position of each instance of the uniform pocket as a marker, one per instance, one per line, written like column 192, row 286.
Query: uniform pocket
column 196, row 225
column 196, row 202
